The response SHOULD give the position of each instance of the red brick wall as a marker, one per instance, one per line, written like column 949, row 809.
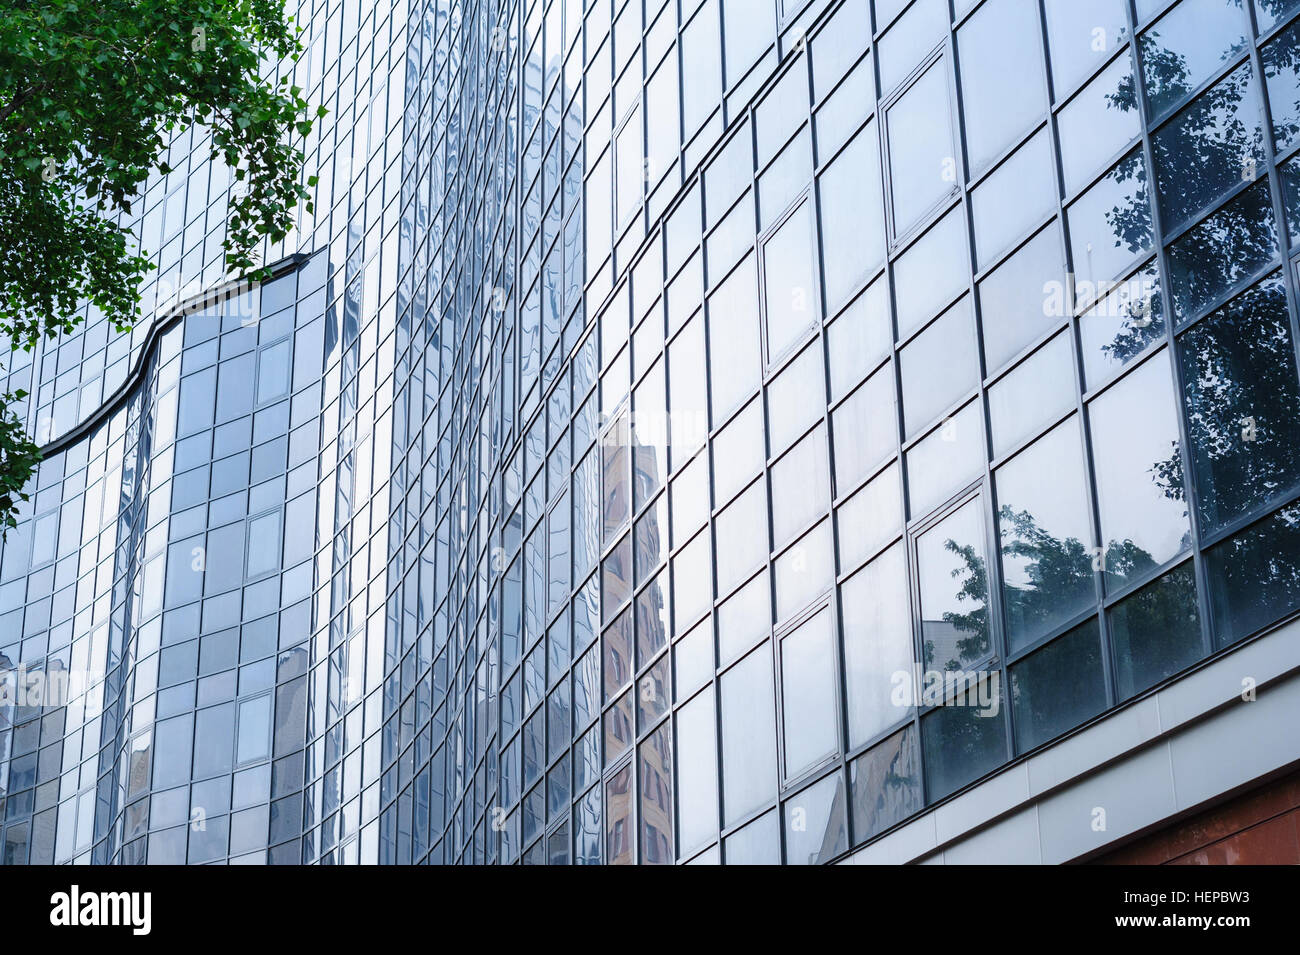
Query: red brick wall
column 1259, row 827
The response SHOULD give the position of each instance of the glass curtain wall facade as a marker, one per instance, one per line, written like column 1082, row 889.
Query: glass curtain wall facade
column 662, row 394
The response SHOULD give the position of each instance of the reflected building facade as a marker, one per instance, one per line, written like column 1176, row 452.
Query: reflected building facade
column 741, row 431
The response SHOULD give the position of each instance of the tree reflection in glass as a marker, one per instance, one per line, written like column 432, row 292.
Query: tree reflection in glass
column 1242, row 399
column 954, row 590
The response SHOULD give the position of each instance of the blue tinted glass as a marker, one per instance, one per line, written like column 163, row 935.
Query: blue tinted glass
column 1186, row 46
column 1282, row 76
column 1226, row 247
column 1213, row 144
column 1242, row 400
column 1110, row 224
column 1122, row 325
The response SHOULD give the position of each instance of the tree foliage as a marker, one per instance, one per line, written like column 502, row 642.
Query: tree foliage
column 90, row 96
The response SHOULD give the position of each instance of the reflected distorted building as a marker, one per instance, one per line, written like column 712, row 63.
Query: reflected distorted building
column 662, row 396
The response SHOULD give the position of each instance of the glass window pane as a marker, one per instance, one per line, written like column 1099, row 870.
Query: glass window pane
column 693, row 660
column 1156, row 632
column 616, row 578
column 690, row 499
column 172, row 741
column 198, row 391
column 744, row 618
column 1122, row 325
column 616, row 478
column 1211, row 146
column 859, row 338
column 1243, row 402
column 748, row 736
column 939, row 366
column 254, row 729
column 916, row 33
column 845, row 109
column 616, row 643
column 748, row 29
column 796, row 398
column 738, row 452
column 780, row 183
column 728, row 175
column 809, row 726
column 1255, row 576
column 741, row 536
column 801, row 487
column 214, row 739
column 1182, row 49
column 692, row 582
column 688, row 378
column 655, row 780
column 1110, row 224
column 619, row 836
column 630, row 154
column 781, row 110
column 701, row 69
column 1015, row 196
column 871, row 517
column 263, row 544
column 759, row 843
column 865, row 429
column 1046, row 541
column 1023, row 297
column 1098, row 123
column 852, row 220
column 953, row 582
column 804, row 571
column 886, row 784
column 948, row 458
column 963, row 742
column 921, row 164
column 273, row 372
column 652, row 623
column 697, row 773
column 838, row 44
column 1000, row 104
column 877, row 643
column 733, row 331
column 618, row 733
column 1058, row 687
column 816, row 823
column 1138, row 472
column 1080, row 36
column 789, row 285
column 1269, row 13
column 1223, row 249
column 662, row 94
column 1037, row 390
column 931, row 273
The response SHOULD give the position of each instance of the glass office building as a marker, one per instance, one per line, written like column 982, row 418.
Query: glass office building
column 687, row 431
